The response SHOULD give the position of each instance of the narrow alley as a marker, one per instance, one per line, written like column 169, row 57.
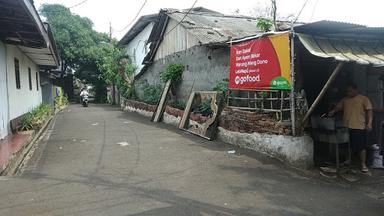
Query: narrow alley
column 102, row 161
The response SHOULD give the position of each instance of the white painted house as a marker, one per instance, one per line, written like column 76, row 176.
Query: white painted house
column 135, row 40
column 26, row 48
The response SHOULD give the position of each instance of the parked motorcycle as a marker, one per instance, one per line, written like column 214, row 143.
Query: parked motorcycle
column 85, row 101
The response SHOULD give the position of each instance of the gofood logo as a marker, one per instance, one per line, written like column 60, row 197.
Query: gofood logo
column 245, row 79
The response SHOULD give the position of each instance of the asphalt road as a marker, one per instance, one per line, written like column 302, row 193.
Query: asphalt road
column 102, row 161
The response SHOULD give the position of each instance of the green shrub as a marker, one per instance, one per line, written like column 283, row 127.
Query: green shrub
column 126, row 90
column 178, row 104
column 35, row 118
column 205, row 108
column 172, row 72
column 26, row 122
column 61, row 101
column 152, row 93
column 221, row 86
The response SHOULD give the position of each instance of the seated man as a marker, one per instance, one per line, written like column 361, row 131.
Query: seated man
column 357, row 117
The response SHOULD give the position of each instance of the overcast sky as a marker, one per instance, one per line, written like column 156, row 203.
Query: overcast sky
column 121, row 12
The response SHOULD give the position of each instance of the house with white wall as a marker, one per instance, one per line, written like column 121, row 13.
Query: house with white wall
column 197, row 38
column 26, row 48
column 135, row 41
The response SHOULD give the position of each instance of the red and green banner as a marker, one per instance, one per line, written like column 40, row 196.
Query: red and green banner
column 262, row 63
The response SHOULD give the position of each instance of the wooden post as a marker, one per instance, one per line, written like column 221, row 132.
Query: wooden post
column 323, row 91
column 292, row 95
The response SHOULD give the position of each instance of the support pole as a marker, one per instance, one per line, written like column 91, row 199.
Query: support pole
column 323, row 91
column 113, row 94
column 292, row 95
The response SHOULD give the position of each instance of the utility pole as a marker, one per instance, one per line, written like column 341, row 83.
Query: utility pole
column 113, row 82
column 110, row 32
column 273, row 13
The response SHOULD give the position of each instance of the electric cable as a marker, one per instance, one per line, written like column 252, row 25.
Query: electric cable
column 70, row 7
column 314, row 9
column 298, row 15
column 134, row 19
column 190, row 9
column 78, row 4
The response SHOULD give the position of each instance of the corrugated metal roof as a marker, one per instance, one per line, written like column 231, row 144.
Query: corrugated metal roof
column 263, row 34
column 347, row 50
column 208, row 26
column 41, row 56
column 341, row 30
column 326, row 26
column 214, row 27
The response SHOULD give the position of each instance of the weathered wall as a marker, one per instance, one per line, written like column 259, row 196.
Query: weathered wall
column 4, row 118
column 369, row 83
column 204, row 67
column 296, row 151
column 137, row 48
column 21, row 100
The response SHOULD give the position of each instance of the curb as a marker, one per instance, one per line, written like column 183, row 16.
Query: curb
column 19, row 158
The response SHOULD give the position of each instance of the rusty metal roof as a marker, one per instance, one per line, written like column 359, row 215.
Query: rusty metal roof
column 356, row 49
column 210, row 27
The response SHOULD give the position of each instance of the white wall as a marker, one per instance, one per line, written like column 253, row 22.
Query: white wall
column 137, row 48
column 4, row 121
column 21, row 100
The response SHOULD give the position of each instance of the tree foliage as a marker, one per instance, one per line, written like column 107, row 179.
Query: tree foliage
column 77, row 42
column 93, row 56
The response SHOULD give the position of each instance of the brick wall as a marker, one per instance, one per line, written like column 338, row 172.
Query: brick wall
column 250, row 122
column 174, row 111
column 230, row 119
column 140, row 105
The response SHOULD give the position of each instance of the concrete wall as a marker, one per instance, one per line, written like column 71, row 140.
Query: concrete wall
column 4, row 115
column 204, row 67
column 295, row 151
column 21, row 100
column 369, row 83
column 137, row 49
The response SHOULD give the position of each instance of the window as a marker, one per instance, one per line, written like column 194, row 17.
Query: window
column 17, row 73
column 37, row 81
column 30, row 79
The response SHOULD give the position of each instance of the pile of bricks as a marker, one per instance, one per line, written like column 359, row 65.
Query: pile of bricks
column 250, row 122
column 141, row 105
column 174, row 111
column 230, row 119
column 179, row 113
